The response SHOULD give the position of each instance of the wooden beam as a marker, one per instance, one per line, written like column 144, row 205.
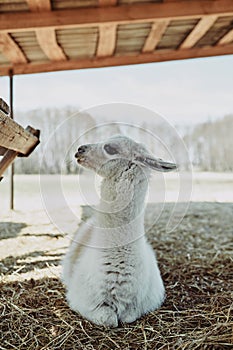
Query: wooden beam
column 134, row 13
column 155, row 35
column 11, row 50
column 198, row 32
column 46, row 38
column 15, row 137
column 107, row 2
column 157, row 56
column 2, row 150
column 107, row 40
column 4, row 106
column 7, row 160
column 227, row 38
column 39, row 5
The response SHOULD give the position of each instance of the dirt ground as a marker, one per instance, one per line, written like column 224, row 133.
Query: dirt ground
column 195, row 261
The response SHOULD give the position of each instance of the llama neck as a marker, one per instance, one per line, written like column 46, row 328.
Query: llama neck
column 122, row 201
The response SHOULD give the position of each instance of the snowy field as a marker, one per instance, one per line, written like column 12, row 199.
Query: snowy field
column 83, row 190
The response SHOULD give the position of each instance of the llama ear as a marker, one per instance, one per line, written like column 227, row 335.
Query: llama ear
column 156, row 163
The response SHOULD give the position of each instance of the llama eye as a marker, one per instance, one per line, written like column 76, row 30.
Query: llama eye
column 110, row 149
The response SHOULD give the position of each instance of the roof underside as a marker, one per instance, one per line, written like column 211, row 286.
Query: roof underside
column 42, row 35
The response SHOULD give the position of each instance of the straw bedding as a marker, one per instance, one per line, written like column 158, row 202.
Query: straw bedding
column 196, row 264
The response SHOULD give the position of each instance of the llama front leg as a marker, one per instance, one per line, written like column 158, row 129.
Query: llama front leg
column 104, row 315
column 129, row 315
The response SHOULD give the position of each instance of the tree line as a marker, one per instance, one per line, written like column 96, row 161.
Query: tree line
column 208, row 145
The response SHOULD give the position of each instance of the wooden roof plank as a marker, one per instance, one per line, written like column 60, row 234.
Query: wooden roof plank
column 39, row 5
column 227, row 38
column 11, row 50
column 46, row 38
column 135, row 13
column 157, row 30
column 107, row 40
column 157, row 56
column 199, row 31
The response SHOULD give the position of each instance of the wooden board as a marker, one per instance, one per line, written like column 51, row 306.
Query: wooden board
column 175, row 33
column 107, row 40
column 156, row 32
column 136, row 13
column 157, row 56
column 4, row 107
column 11, row 50
column 15, row 137
column 220, row 28
column 7, row 160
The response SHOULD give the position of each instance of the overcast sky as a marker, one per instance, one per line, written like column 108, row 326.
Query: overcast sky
column 182, row 91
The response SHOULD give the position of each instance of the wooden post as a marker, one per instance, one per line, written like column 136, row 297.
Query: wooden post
column 12, row 169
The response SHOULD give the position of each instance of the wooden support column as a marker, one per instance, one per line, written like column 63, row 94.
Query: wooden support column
column 12, row 154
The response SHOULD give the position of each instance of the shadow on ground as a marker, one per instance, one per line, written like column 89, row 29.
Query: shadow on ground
column 11, row 229
column 29, row 262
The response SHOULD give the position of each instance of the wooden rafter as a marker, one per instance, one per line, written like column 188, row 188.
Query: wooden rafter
column 198, row 32
column 11, row 50
column 226, row 39
column 156, row 32
column 134, row 13
column 39, row 5
column 46, row 37
column 158, row 56
column 107, row 40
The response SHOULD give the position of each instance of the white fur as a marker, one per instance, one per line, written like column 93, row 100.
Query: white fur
column 110, row 271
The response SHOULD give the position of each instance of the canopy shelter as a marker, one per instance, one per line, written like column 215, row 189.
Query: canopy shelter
column 51, row 35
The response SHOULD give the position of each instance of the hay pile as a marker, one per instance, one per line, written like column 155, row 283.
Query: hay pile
column 196, row 264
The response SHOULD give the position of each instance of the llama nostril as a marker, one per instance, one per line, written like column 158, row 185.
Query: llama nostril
column 81, row 150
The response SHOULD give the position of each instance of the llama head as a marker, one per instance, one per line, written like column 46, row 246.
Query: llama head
column 117, row 153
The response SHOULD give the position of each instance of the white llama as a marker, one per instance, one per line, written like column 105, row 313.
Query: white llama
column 110, row 270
